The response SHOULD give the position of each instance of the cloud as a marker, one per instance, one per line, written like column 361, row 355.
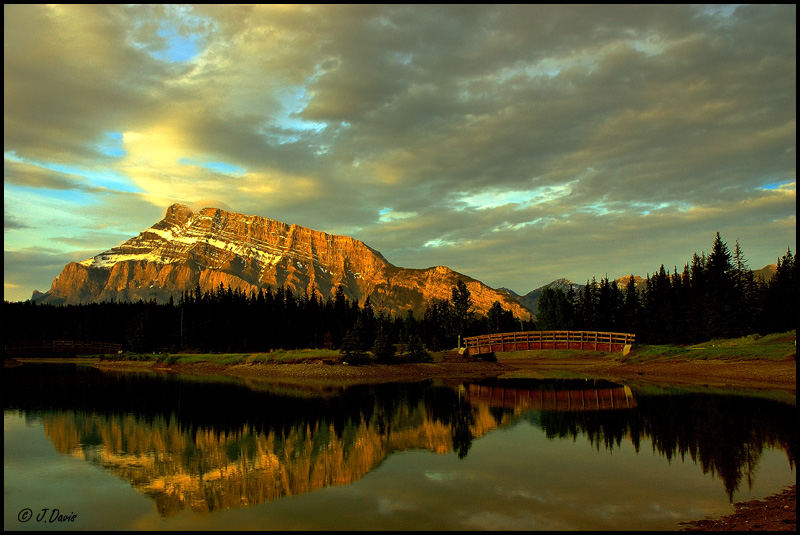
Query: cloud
column 35, row 269
column 531, row 133
column 9, row 223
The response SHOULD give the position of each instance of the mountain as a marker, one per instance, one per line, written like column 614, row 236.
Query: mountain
column 531, row 299
column 766, row 273
column 251, row 465
column 215, row 247
column 638, row 281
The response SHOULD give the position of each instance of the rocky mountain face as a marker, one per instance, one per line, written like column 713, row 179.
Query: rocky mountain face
column 246, row 252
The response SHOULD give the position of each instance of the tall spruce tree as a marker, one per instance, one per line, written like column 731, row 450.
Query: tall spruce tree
column 781, row 296
column 461, row 301
column 719, row 280
column 631, row 307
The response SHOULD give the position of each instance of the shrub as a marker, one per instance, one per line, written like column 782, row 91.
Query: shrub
column 383, row 349
column 488, row 357
column 351, row 349
column 415, row 352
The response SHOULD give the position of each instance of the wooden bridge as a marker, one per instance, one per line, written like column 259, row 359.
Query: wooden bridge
column 527, row 340
column 590, row 399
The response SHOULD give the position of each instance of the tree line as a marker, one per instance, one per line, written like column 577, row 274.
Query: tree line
column 228, row 320
column 714, row 296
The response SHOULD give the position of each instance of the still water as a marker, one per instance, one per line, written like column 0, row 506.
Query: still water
column 140, row 451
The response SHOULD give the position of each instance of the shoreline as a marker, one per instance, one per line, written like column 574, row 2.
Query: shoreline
column 733, row 374
column 774, row 513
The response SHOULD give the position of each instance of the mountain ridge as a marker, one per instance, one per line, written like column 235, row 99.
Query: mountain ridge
column 212, row 246
column 187, row 249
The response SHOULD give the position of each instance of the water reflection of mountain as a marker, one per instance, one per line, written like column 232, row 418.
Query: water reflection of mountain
column 209, row 446
column 206, row 469
column 213, row 446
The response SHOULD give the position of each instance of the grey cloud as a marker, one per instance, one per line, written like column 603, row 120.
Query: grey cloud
column 10, row 223
column 25, row 174
column 636, row 106
column 32, row 268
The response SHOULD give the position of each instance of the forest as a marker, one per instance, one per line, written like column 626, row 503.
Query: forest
column 714, row 296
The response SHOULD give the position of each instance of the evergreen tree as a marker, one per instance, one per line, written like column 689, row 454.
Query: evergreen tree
column 369, row 323
column 383, row 348
column 415, row 352
column 744, row 299
column 719, row 279
column 586, row 307
column 352, row 348
column 437, row 325
column 553, row 311
column 781, row 296
column 695, row 314
column 462, row 307
column 631, row 307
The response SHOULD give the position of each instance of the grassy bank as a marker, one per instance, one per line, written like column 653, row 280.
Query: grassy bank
column 751, row 363
column 293, row 356
column 777, row 346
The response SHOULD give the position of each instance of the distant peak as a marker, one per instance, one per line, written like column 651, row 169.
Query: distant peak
column 178, row 214
column 209, row 203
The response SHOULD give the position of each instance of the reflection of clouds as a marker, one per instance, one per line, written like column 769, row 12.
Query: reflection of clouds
column 519, row 493
column 443, row 476
column 610, row 511
column 388, row 506
column 618, row 514
column 486, row 520
column 658, row 511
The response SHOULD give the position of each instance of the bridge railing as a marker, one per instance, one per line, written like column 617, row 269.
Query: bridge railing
column 528, row 340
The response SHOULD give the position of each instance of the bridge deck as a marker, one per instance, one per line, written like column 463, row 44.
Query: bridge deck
column 527, row 340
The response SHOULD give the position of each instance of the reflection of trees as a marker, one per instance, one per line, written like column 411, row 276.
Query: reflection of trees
column 725, row 435
column 209, row 446
column 214, row 445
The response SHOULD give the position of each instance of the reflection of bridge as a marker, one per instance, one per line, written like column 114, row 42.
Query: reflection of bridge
column 523, row 341
column 591, row 399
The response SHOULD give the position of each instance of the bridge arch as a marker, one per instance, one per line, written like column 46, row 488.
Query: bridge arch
column 531, row 340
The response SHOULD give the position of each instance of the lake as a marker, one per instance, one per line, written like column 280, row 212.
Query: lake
column 85, row 449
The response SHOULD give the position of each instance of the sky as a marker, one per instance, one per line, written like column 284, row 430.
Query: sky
column 516, row 144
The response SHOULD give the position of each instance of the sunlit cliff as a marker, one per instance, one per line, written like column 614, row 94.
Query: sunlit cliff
column 213, row 247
